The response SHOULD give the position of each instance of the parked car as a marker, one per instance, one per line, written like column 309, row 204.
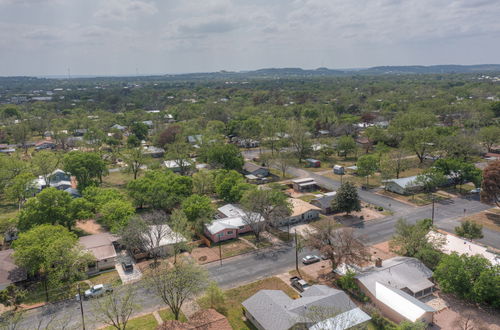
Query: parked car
column 127, row 266
column 310, row 259
column 299, row 283
column 96, row 291
column 475, row 191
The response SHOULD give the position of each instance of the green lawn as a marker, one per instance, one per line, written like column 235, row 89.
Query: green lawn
column 146, row 322
column 110, row 277
column 166, row 314
column 117, row 180
column 235, row 297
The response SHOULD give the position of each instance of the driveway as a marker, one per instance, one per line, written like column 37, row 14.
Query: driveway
column 130, row 276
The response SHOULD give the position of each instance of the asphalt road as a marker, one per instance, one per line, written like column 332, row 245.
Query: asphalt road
column 261, row 264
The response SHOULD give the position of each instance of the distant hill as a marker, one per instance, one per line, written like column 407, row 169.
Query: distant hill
column 378, row 70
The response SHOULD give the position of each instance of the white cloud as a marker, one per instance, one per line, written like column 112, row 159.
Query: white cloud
column 124, row 9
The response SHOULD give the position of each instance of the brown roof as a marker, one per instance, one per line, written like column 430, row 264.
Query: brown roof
column 300, row 207
column 205, row 319
column 100, row 245
column 9, row 271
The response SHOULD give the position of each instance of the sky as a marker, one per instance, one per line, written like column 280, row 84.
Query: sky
column 120, row 37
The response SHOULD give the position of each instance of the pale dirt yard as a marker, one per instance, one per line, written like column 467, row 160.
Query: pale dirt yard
column 90, row 226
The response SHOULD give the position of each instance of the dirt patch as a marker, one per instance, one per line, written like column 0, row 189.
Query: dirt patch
column 489, row 219
column 382, row 251
column 203, row 255
column 90, row 226
column 366, row 214
column 460, row 312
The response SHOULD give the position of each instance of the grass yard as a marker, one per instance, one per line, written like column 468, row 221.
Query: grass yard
column 110, row 277
column 232, row 248
column 146, row 322
column 323, row 221
column 235, row 297
column 166, row 315
column 307, row 198
column 488, row 219
column 117, row 180
column 263, row 243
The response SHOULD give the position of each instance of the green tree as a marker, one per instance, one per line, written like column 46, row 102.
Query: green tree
column 263, row 208
column 52, row 252
column 140, row 130
column 490, row 136
column 346, row 199
column 225, row 156
column 12, row 295
column 408, row 325
column 300, row 139
column 459, row 171
column 87, row 167
column 44, row 164
column 160, row 190
column 413, row 241
column 177, row 284
column 230, row 186
column 21, row 187
column 116, row 213
column 420, row 141
column 345, row 145
column 203, row 182
column 135, row 160
column 470, row 277
column 180, row 225
column 431, row 179
column 367, row 165
column 214, row 298
column 99, row 196
column 179, row 151
column 198, row 209
column 133, row 142
column 51, row 206
column 470, row 230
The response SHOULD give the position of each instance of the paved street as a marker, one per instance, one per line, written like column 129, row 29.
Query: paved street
column 261, row 264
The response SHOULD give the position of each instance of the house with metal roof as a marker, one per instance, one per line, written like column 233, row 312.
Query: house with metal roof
column 324, row 201
column 320, row 307
column 403, row 186
column 102, row 248
column 305, row 184
column 395, row 286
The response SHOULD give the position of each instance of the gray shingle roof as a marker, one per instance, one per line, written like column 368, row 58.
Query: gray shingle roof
column 399, row 273
column 274, row 310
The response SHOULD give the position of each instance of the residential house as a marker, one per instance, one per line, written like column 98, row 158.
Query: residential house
column 10, row 273
column 323, row 132
column 169, row 118
column 452, row 243
column 229, row 223
column 73, row 192
column 101, row 246
column 395, row 286
column 195, row 139
column 305, row 184
column 79, row 132
column 364, row 143
column 45, row 144
column 148, row 123
column 58, row 179
column 312, row 163
column 246, row 143
column 255, row 173
column 168, row 239
column 154, row 152
column 301, row 211
column 403, row 186
column 175, row 167
column 205, row 319
column 320, row 307
column 7, row 149
column 324, row 201
column 118, row 127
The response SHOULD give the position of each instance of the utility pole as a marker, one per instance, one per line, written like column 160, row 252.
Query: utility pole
column 80, row 298
column 432, row 211
column 220, row 252
column 296, row 252
column 288, row 231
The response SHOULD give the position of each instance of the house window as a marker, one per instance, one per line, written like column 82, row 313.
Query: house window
column 241, row 227
column 221, row 234
column 230, row 232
